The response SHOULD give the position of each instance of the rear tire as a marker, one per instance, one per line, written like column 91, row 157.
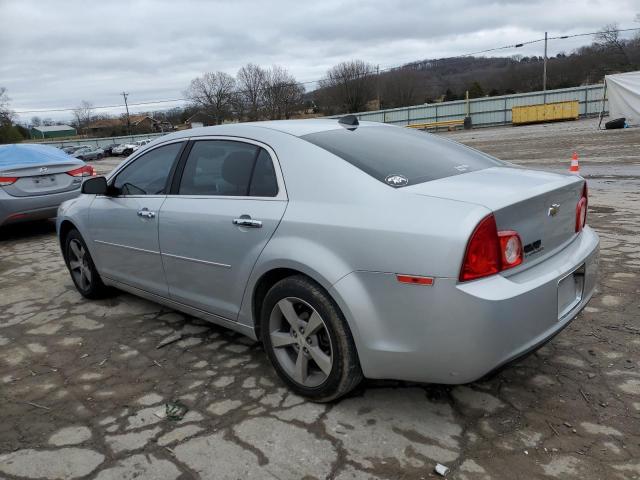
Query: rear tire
column 127, row 152
column 320, row 364
column 81, row 267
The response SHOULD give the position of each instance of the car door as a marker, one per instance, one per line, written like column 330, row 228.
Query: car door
column 226, row 201
column 124, row 224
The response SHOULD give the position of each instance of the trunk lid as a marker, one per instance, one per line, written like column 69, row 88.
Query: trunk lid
column 540, row 206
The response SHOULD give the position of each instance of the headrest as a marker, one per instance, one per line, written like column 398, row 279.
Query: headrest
column 237, row 168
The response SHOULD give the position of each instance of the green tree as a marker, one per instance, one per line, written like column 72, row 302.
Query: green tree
column 24, row 132
column 449, row 96
column 475, row 91
column 9, row 134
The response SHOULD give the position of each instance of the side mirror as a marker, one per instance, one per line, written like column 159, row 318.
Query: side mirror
column 95, row 186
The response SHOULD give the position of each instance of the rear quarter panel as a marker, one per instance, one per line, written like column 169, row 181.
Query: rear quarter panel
column 341, row 220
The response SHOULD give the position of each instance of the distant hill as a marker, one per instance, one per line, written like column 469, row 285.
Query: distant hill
column 430, row 80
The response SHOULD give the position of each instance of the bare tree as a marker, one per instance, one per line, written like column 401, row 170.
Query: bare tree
column 251, row 83
column 282, row 94
column 609, row 38
column 350, row 85
column 214, row 94
column 6, row 114
column 36, row 121
column 400, row 88
column 83, row 115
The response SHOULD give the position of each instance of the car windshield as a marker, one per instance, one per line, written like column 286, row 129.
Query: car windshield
column 400, row 156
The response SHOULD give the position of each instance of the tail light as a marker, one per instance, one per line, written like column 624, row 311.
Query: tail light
column 581, row 209
column 510, row 248
column 4, row 181
column 86, row 171
column 490, row 251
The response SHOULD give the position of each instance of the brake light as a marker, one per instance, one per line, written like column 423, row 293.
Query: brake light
column 4, row 181
column 85, row 171
column 581, row 209
column 490, row 251
column 482, row 257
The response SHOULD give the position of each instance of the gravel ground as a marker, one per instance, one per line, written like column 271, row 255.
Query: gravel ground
column 83, row 387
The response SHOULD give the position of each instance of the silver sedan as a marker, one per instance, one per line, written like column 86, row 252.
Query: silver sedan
column 88, row 153
column 348, row 249
column 35, row 180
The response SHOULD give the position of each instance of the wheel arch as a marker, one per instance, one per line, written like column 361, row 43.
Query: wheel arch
column 264, row 283
column 65, row 227
column 273, row 275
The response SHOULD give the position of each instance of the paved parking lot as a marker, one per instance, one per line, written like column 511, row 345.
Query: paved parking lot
column 83, row 387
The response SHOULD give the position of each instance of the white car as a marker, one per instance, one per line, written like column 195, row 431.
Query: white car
column 127, row 149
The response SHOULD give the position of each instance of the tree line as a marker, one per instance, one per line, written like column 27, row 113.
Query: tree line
column 255, row 93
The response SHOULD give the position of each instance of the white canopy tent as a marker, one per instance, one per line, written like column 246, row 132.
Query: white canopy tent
column 623, row 93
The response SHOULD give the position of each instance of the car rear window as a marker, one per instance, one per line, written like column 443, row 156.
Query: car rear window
column 400, row 156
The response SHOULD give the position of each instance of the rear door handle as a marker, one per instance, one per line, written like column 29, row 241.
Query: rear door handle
column 145, row 213
column 247, row 221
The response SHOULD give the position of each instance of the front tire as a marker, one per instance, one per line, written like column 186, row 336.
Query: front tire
column 81, row 267
column 308, row 340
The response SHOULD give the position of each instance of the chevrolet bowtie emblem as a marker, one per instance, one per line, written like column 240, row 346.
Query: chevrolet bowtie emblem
column 553, row 210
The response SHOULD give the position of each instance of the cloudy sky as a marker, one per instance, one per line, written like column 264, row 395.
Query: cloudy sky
column 53, row 54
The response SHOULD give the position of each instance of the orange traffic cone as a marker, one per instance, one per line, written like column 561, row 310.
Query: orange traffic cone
column 575, row 166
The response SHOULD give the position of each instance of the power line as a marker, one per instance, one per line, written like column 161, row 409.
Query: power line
column 104, row 106
column 377, row 72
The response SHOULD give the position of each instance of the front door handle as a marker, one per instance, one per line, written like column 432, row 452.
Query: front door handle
column 247, row 221
column 145, row 213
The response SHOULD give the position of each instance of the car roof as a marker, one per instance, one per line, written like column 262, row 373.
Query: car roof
column 296, row 128
column 299, row 128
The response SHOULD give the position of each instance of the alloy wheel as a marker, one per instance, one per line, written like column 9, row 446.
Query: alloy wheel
column 301, row 342
column 79, row 264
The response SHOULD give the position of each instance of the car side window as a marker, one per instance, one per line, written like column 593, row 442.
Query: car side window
column 218, row 167
column 264, row 182
column 148, row 174
column 228, row 168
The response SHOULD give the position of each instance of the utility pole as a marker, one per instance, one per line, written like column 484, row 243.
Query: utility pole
column 544, row 70
column 126, row 106
column 378, row 86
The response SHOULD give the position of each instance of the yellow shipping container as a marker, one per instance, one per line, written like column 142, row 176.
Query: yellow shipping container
column 545, row 113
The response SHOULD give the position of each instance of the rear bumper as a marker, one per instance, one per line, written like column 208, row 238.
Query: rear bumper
column 21, row 209
column 456, row 333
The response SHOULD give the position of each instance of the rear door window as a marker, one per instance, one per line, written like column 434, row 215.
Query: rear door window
column 228, row 168
column 400, row 156
column 263, row 181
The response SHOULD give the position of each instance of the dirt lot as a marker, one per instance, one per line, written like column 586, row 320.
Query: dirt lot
column 83, row 387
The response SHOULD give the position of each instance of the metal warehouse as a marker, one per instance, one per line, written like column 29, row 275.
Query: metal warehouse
column 53, row 131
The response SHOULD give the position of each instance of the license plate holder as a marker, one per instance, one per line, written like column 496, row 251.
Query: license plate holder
column 570, row 290
column 44, row 181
